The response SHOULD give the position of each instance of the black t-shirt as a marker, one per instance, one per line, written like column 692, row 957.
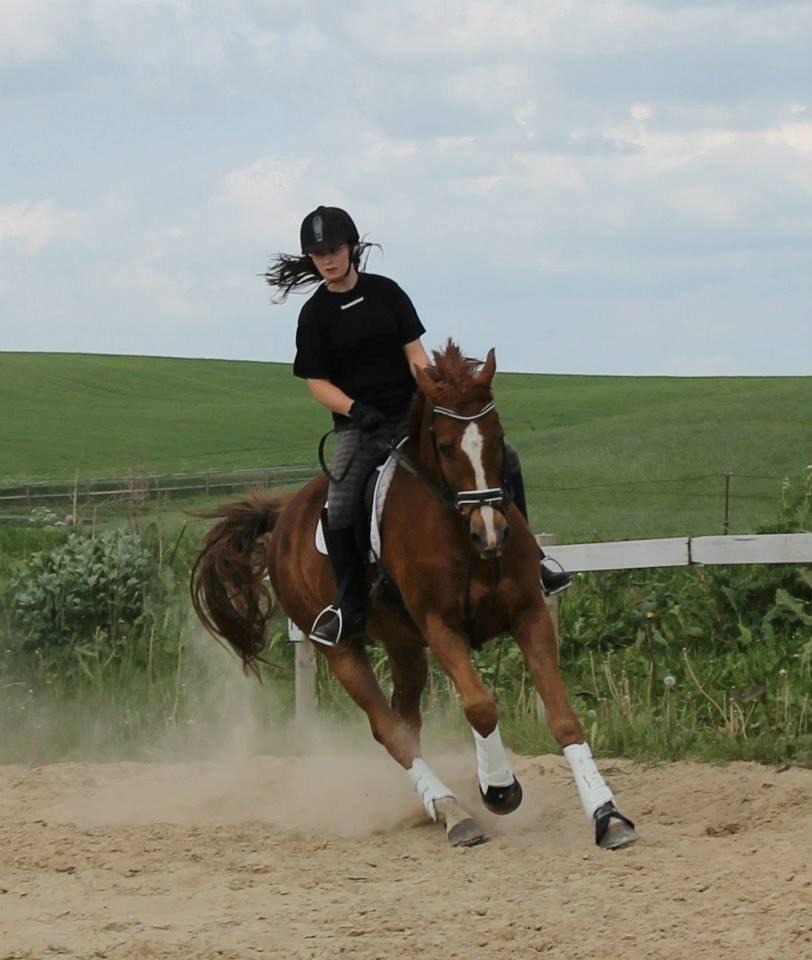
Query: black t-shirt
column 355, row 340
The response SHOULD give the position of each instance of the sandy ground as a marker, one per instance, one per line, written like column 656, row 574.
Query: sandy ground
column 324, row 857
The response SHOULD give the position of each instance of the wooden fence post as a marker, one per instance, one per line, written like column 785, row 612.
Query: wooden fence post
column 305, row 681
column 548, row 540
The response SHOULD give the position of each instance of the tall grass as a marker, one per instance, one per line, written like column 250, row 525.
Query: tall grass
column 700, row 662
column 100, row 656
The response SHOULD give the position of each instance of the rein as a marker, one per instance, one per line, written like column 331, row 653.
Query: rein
column 323, row 462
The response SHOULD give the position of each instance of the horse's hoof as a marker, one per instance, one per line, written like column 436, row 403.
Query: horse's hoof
column 612, row 829
column 467, row 833
column 502, row 799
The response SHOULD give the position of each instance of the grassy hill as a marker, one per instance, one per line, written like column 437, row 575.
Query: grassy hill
column 604, row 456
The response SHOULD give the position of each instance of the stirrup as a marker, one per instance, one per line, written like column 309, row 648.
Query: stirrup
column 560, row 579
column 332, row 613
column 329, row 638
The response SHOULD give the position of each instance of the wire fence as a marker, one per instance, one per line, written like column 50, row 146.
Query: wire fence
column 152, row 486
column 104, row 493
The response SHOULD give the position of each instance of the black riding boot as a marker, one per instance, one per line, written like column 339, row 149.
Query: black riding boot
column 346, row 616
column 552, row 581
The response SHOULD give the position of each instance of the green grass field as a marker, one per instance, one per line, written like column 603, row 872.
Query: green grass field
column 604, row 457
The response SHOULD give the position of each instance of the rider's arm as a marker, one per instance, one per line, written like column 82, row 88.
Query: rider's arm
column 330, row 396
column 416, row 355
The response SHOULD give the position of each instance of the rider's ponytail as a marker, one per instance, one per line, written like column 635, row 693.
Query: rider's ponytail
column 287, row 271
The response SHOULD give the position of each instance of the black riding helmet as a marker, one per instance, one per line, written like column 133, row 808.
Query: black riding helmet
column 327, row 228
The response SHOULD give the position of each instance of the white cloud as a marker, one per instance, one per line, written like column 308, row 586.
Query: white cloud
column 33, row 31
column 467, row 28
column 524, row 113
column 381, row 152
column 34, row 225
column 268, row 192
column 796, row 136
column 641, row 112
column 150, row 34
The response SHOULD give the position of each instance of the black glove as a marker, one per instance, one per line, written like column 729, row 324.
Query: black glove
column 364, row 417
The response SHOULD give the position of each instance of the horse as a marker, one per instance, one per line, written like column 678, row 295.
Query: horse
column 466, row 568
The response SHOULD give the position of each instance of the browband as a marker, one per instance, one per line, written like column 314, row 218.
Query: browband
column 458, row 416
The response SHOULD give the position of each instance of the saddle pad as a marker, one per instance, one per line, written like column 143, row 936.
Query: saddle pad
column 385, row 473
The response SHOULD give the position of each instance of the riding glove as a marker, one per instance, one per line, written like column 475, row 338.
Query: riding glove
column 365, row 417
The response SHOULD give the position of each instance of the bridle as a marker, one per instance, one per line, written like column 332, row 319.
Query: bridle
column 496, row 497
column 486, row 496
column 459, row 500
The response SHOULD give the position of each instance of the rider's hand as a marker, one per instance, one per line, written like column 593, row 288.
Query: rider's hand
column 364, row 417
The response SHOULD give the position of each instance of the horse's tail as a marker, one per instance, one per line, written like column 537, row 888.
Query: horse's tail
column 229, row 592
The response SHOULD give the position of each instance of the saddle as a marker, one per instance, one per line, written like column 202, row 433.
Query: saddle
column 368, row 537
column 368, row 513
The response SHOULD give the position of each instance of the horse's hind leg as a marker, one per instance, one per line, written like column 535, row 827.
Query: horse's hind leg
column 351, row 666
column 408, row 664
column 535, row 635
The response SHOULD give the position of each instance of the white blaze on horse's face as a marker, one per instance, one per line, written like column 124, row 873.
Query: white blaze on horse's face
column 488, row 526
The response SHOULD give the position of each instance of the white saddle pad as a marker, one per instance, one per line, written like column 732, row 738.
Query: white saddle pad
column 385, row 473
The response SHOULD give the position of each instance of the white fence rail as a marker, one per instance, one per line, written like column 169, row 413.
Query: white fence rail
column 613, row 555
column 684, row 551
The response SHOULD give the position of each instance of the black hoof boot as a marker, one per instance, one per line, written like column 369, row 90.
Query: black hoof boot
column 502, row 799
column 612, row 829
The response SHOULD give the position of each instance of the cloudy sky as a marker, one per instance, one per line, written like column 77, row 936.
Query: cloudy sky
column 592, row 186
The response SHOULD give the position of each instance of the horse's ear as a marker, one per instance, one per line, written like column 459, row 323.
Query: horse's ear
column 485, row 375
column 424, row 382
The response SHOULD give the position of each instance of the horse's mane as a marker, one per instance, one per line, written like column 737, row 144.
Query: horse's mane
column 455, row 384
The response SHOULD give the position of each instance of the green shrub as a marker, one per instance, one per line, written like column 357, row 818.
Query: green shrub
column 88, row 587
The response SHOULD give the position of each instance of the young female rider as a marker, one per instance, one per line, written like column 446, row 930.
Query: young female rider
column 357, row 341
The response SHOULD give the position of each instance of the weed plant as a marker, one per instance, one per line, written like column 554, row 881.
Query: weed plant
column 709, row 663
column 100, row 656
column 99, row 653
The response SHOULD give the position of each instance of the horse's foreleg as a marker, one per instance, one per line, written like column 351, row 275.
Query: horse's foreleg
column 500, row 790
column 351, row 666
column 534, row 632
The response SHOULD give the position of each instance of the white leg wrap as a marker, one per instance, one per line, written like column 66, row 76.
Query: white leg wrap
column 592, row 787
column 428, row 785
column 493, row 765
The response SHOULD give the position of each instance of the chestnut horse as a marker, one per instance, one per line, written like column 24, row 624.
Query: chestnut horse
column 462, row 559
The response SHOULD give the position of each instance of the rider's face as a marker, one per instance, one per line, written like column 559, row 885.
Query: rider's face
column 332, row 264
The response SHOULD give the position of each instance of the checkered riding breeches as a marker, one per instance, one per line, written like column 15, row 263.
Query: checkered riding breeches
column 358, row 454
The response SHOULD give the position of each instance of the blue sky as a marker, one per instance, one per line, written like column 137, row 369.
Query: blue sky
column 590, row 186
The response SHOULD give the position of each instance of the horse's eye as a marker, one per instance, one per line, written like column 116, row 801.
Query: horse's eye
column 446, row 449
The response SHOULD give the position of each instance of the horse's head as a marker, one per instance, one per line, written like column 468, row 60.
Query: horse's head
column 461, row 439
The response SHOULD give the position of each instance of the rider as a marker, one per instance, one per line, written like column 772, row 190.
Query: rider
column 357, row 341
